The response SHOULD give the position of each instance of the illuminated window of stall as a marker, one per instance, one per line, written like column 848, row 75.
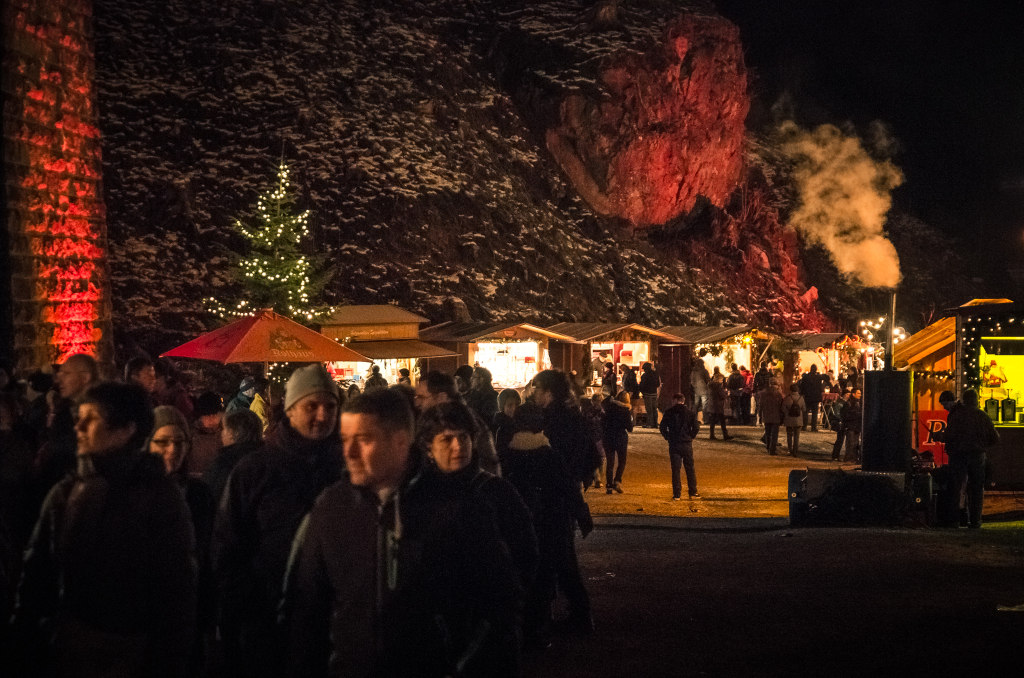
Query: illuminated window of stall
column 1001, row 372
column 512, row 364
column 632, row 353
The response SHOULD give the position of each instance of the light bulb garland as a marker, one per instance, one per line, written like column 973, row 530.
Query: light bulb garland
column 276, row 274
column 973, row 331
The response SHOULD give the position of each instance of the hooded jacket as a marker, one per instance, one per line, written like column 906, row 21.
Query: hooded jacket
column 110, row 573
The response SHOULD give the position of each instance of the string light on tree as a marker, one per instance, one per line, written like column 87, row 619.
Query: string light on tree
column 276, row 274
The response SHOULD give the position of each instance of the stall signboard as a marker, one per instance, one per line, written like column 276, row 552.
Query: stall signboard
column 930, row 423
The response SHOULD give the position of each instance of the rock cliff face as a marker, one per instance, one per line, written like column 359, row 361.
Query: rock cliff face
column 483, row 156
column 644, row 130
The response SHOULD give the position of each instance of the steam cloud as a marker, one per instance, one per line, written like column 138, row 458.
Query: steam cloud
column 844, row 196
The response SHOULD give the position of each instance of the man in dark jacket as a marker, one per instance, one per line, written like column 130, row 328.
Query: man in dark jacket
column 837, row 413
column 266, row 497
column 482, row 398
column 57, row 455
column 969, row 433
column 650, row 382
column 812, row 388
column 679, row 427
column 629, row 382
column 389, row 578
column 759, row 387
column 734, row 385
column 109, row 580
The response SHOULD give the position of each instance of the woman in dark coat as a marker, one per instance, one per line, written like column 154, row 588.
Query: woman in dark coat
column 170, row 441
column 609, row 383
column 617, row 424
column 714, row 411
column 542, row 479
column 445, row 434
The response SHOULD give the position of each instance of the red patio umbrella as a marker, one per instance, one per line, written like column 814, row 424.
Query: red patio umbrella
column 265, row 337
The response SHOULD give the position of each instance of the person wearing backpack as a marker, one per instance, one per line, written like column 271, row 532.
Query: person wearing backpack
column 771, row 413
column 793, row 408
column 679, row 426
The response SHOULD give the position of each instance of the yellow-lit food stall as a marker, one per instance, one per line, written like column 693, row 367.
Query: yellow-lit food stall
column 386, row 334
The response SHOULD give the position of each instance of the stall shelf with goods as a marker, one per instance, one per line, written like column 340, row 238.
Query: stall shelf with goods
column 387, row 336
column 513, row 352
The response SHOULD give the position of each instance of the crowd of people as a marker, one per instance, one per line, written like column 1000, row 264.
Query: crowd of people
column 399, row 531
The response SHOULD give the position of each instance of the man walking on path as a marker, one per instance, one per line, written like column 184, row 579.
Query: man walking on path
column 679, row 427
column 969, row 433
column 649, row 384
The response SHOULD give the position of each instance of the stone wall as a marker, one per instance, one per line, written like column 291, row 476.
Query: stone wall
column 55, row 218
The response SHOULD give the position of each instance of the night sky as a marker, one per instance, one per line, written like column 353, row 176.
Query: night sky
column 946, row 77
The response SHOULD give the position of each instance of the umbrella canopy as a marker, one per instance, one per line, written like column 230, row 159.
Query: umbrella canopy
column 265, row 337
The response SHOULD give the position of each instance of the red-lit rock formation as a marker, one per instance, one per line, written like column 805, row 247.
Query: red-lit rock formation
column 667, row 126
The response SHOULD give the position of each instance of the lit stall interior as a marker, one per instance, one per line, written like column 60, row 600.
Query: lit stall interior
column 632, row 353
column 512, row 363
column 357, row 373
column 1001, row 371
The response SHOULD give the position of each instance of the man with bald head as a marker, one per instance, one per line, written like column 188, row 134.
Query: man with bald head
column 57, row 456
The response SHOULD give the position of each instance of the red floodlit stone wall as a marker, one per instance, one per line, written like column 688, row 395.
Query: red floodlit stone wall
column 55, row 213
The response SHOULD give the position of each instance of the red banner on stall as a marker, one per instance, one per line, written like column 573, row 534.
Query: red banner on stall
column 930, row 422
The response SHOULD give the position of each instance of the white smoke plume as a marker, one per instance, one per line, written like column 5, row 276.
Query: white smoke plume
column 844, row 197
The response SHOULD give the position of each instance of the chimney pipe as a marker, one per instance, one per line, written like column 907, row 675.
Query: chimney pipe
column 890, row 353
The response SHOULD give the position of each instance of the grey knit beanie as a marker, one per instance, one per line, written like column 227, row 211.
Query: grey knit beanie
column 165, row 415
column 306, row 381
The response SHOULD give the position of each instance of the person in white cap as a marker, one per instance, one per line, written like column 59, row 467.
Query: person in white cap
column 267, row 495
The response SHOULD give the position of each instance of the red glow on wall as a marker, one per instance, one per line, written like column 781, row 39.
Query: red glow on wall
column 57, row 214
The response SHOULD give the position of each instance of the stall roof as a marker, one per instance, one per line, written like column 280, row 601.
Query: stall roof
column 399, row 348
column 468, row 333
column 696, row 334
column 590, row 331
column 371, row 315
column 810, row 342
column 925, row 342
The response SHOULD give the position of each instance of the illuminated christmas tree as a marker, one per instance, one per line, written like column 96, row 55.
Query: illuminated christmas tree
column 275, row 273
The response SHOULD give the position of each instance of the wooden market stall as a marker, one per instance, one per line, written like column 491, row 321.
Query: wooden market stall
column 624, row 343
column 979, row 345
column 721, row 346
column 821, row 349
column 513, row 352
column 387, row 335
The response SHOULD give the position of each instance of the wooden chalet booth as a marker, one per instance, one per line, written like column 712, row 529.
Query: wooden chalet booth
column 826, row 351
column 979, row 345
column 513, row 352
column 722, row 346
column 387, row 335
column 626, row 344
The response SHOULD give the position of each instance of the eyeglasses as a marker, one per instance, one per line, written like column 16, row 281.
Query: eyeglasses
column 167, row 442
